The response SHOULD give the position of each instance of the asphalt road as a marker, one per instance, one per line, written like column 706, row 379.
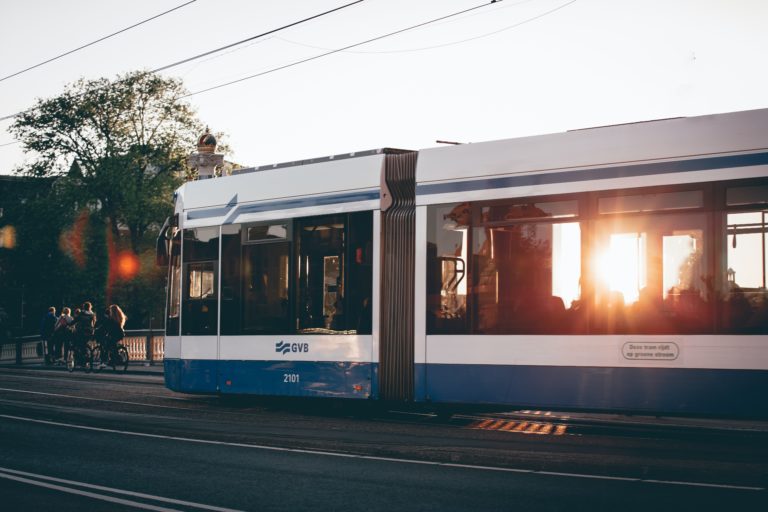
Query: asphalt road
column 106, row 442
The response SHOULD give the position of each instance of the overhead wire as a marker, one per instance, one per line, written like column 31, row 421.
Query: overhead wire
column 97, row 41
column 331, row 52
column 443, row 45
column 226, row 47
column 205, row 54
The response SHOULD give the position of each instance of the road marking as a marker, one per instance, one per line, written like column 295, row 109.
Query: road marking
column 520, row 427
column 35, row 479
column 87, row 494
column 380, row 459
column 95, row 399
column 44, row 374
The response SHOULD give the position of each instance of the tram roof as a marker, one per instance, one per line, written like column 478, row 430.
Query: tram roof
column 600, row 146
column 347, row 173
column 331, row 158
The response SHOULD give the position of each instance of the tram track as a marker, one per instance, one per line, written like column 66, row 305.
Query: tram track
column 363, row 429
column 516, row 422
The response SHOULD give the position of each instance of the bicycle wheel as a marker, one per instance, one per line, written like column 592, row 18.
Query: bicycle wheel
column 70, row 359
column 94, row 358
column 119, row 359
column 88, row 359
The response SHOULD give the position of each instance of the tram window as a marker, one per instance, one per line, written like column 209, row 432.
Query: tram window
column 649, row 275
column 201, row 244
column 201, row 283
column 447, row 250
column 736, row 196
column 651, row 202
column 506, row 211
column 265, row 288
column 231, row 275
column 527, row 278
column 359, row 292
column 321, row 290
column 200, row 301
column 200, row 288
column 745, row 304
column 268, row 232
column 174, row 286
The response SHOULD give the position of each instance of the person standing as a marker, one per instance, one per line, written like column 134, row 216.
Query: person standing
column 47, row 325
column 61, row 334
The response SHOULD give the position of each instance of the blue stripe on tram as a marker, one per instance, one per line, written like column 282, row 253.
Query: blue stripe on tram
column 594, row 174
column 681, row 390
column 337, row 379
column 678, row 390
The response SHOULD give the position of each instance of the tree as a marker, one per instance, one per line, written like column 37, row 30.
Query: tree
column 117, row 150
column 120, row 145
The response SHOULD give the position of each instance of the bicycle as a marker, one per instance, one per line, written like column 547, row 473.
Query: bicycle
column 78, row 354
column 116, row 356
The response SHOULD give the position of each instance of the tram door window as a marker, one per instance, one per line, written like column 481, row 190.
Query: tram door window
column 231, row 275
column 266, row 278
column 200, row 296
column 174, row 286
column 321, row 262
column 359, row 291
column 650, row 272
column 745, row 301
column 334, row 263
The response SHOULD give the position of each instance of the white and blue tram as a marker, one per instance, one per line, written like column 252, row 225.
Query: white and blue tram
column 613, row 268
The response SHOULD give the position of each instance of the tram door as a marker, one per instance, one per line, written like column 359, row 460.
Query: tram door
column 266, row 289
column 199, row 307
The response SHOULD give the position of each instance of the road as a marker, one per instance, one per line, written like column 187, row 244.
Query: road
column 124, row 442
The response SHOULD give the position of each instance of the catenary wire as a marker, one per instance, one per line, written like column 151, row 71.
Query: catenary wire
column 205, row 54
column 184, row 61
column 443, row 45
column 96, row 41
column 331, row 52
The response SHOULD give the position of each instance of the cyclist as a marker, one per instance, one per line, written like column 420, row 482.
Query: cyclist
column 84, row 322
column 112, row 330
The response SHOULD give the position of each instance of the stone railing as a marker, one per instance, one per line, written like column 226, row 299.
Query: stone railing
column 144, row 346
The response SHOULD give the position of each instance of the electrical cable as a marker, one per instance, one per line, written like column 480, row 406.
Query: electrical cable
column 96, row 41
column 443, row 45
column 184, row 61
column 331, row 52
column 205, row 54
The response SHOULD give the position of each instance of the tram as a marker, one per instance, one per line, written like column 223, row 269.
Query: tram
column 619, row 268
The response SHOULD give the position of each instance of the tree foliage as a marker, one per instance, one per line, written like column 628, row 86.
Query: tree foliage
column 117, row 150
column 119, row 145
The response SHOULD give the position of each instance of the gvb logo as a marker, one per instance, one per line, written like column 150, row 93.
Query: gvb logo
column 284, row 347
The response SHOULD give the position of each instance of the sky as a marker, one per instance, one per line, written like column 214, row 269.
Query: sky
column 508, row 69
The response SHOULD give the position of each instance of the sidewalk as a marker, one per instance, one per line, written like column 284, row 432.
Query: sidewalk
column 134, row 367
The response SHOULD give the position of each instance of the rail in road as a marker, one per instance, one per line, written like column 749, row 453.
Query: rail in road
column 87, row 440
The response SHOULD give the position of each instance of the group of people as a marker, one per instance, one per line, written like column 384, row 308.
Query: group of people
column 59, row 331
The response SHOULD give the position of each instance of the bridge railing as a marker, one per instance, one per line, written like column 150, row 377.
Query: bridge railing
column 144, row 346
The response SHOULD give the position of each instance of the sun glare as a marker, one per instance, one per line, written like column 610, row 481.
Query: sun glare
column 127, row 265
column 622, row 267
